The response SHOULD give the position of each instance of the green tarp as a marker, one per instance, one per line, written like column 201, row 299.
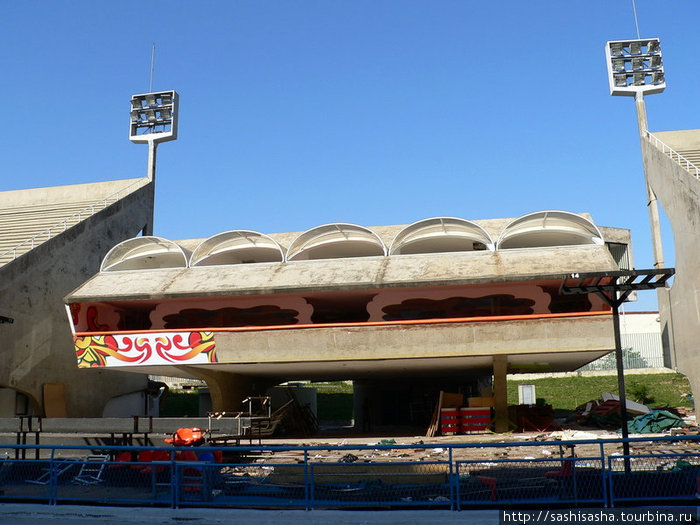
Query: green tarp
column 653, row 422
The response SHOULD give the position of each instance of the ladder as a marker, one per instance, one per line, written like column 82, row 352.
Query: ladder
column 91, row 469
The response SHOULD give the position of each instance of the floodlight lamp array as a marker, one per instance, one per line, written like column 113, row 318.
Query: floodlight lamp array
column 635, row 66
column 153, row 117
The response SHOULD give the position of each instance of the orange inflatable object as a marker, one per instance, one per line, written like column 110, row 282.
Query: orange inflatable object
column 185, row 437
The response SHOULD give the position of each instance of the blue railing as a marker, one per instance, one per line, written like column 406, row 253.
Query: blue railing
column 351, row 476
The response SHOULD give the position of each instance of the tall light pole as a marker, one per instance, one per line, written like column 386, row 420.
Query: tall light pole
column 153, row 119
column 635, row 68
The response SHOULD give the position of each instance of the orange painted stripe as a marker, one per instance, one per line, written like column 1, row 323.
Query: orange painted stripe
column 409, row 322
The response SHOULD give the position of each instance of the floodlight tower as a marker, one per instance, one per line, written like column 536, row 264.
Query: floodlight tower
column 153, row 119
column 635, row 68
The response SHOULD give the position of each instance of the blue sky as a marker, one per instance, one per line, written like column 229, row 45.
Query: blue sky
column 299, row 113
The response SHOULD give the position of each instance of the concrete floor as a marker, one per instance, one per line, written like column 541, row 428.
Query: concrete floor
column 31, row 514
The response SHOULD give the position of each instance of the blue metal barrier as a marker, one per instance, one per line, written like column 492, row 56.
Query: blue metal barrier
column 654, row 477
column 510, row 481
column 349, row 476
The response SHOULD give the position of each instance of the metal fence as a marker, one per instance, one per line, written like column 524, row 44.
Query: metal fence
column 639, row 350
column 351, row 476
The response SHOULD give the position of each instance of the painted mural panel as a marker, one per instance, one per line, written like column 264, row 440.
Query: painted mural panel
column 163, row 348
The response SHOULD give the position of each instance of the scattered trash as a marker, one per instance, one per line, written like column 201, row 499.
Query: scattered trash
column 682, row 464
column 387, row 442
column 576, row 435
column 546, row 452
column 348, row 458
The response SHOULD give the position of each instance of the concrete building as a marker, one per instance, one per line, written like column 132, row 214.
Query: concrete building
column 672, row 165
column 52, row 240
column 404, row 311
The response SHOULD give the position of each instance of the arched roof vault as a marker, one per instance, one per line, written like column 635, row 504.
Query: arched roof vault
column 236, row 247
column 333, row 241
column 144, row 253
column 441, row 234
column 549, row 228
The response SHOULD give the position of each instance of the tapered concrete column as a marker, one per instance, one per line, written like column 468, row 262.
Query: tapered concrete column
column 151, row 174
column 652, row 204
column 500, row 393
column 666, row 319
column 227, row 390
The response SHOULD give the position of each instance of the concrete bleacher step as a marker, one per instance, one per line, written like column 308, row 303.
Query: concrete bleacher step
column 46, row 208
column 30, row 223
column 18, row 226
column 35, row 225
column 692, row 155
column 33, row 219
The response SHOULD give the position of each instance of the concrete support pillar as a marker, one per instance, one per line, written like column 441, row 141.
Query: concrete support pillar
column 666, row 319
column 227, row 390
column 366, row 405
column 500, row 393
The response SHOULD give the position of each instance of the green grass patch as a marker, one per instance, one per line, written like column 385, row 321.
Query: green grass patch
column 566, row 393
column 334, row 406
column 334, row 400
column 332, row 387
column 180, row 404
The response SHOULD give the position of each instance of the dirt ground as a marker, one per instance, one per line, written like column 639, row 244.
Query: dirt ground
column 488, row 446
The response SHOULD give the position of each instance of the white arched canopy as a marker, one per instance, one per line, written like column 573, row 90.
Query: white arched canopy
column 549, row 228
column 441, row 234
column 236, row 247
column 333, row 241
column 144, row 253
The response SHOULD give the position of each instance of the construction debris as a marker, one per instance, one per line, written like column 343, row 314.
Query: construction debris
column 605, row 412
column 445, row 400
column 632, row 406
column 451, row 416
column 535, row 418
column 290, row 419
column 654, row 422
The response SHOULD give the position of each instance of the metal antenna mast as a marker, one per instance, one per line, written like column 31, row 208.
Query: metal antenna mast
column 636, row 22
column 153, row 65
